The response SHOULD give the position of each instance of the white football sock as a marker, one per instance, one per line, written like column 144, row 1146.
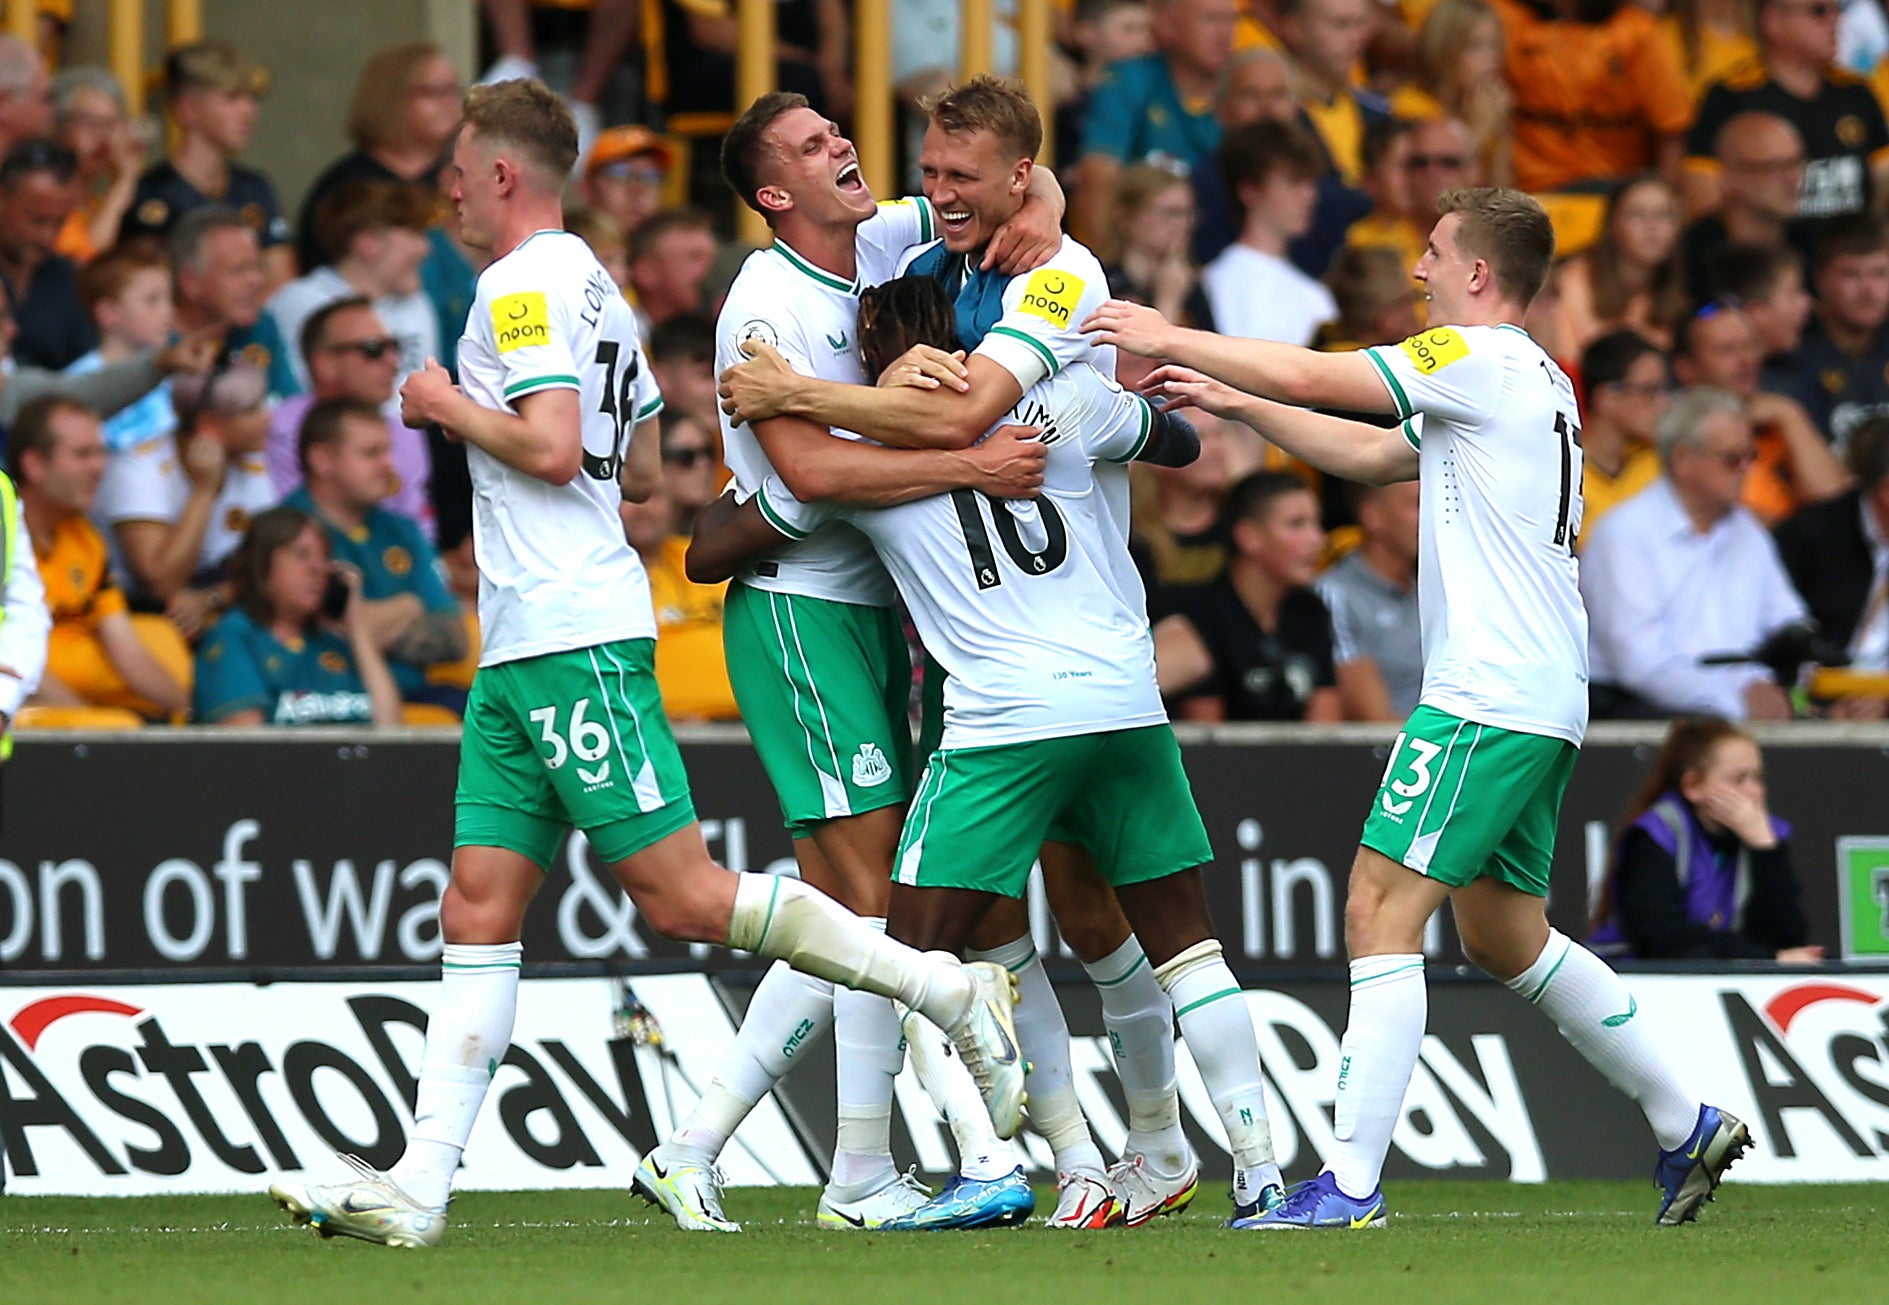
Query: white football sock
column 784, row 918
column 866, row 1040
column 785, row 1017
column 1043, row 1038
column 982, row 1154
column 467, row 1036
column 1211, row 1010
column 1594, row 1011
column 1383, row 1034
column 1140, row 1023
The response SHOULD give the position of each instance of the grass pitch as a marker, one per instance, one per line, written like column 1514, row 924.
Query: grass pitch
column 1592, row 1243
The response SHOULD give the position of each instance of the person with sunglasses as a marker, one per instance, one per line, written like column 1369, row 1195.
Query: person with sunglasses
column 350, row 355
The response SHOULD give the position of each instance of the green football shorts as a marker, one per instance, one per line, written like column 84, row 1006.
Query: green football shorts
column 570, row 739
column 981, row 814
column 1461, row 800
column 822, row 688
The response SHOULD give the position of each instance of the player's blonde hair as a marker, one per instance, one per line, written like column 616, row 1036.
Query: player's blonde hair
column 1507, row 229
column 993, row 104
column 526, row 116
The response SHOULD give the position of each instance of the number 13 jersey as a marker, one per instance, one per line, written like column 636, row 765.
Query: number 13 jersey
column 1498, row 439
column 555, row 573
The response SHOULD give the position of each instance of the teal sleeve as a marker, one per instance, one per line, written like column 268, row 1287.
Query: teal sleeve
column 228, row 680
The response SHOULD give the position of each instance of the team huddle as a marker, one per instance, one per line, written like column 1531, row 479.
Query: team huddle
column 920, row 409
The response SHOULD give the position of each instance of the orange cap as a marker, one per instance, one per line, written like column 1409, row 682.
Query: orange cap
column 616, row 144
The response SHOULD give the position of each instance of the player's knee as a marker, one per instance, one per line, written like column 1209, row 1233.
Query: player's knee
column 681, row 917
column 1093, row 927
column 465, row 917
column 1363, row 909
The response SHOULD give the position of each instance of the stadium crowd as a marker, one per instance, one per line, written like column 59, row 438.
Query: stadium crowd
column 233, row 526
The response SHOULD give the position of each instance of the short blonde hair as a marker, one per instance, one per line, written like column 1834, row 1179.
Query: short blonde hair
column 527, row 116
column 1507, row 229
column 994, row 104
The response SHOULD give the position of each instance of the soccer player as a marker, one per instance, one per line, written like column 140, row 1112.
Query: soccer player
column 1468, row 803
column 564, row 726
column 816, row 651
column 1052, row 717
column 978, row 169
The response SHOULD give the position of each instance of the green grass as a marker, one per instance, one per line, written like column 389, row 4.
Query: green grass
column 1446, row 1243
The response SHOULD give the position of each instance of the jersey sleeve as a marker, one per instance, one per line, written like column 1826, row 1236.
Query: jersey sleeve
column 1116, row 424
column 531, row 334
column 227, row 677
column 789, row 515
column 900, row 224
column 645, row 391
column 1037, row 337
column 1448, row 373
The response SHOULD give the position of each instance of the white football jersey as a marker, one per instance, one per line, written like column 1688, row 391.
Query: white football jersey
column 812, row 317
column 1499, row 444
column 1020, row 601
column 554, row 570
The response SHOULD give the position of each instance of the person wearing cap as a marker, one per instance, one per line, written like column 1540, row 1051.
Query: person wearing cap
column 214, row 91
column 624, row 174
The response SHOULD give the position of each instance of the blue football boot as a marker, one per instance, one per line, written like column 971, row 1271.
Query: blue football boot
column 971, row 1203
column 1690, row 1173
column 1318, row 1204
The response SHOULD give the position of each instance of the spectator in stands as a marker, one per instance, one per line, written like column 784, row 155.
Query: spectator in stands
column 1147, row 244
column 350, row 355
column 401, row 119
column 1837, row 555
column 1632, row 277
column 1701, row 869
column 691, row 668
column 1158, row 106
column 90, row 120
column 214, row 92
column 1325, row 39
column 604, row 235
column 1377, row 636
column 1627, row 389
column 692, row 471
column 375, row 236
column 1838, row 370
column 1442, row 157
column 1102, row 34
column 288, row 653
column 177, row 507
column 1252, row 288
column 1767, row 282
column 608, row 37
column 624, row 174
column 1709, row 39
column 1257, row 88
column 36, row 195
column 926, row 51
column 450, row 274
column 813, row 45
column 127, row 293
column 1760, row 158
column 682, row 354
column 1459, row 74
column 1794, row 464
column 1682, row 571
column 1178, row 512
column 670, row 258
column 1387, row 182
column 1598, row 94
column 347, row 468
column 1256, row 644
column 216, row 260
column 25, row 94
column 1841, row 126
column 24, row 620
column 1375, row 298
column 97, row 656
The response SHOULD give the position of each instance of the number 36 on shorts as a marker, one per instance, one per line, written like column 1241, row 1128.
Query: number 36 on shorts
column 581, row 737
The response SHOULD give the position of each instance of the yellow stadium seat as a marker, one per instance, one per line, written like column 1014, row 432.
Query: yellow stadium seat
column 426, row 713
column 31, row 719
column 458, row 675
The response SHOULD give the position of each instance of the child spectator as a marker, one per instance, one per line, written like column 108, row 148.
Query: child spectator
column 1761, row 168
column 1252, row 289
column 1459, row 74
column 670, row 259
column 1387, row 151
column 347, row 469
column 127, row 292
column 375, row 236
column 214, row 92
column 1146, row 247
column 682, row 354
column 282, row 655
column 1178, row 512
column 1626, row 391
column 177, row 506
column 604, row 234
column 98, row 653
column 1701, row 868
column 1632, row 277
column 36, row 195
column 1257, row 643
column 624, row 175
column 89, row 120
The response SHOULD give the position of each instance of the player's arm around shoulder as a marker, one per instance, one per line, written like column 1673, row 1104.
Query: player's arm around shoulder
column 728, row 534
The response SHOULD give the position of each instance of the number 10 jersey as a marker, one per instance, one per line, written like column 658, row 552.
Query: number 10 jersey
column 555, row 572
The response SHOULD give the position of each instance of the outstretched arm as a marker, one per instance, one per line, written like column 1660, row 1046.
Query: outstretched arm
column 1285, row 372
column 1353, row 450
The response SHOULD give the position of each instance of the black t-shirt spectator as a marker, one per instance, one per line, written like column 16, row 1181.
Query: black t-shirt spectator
column 163, row 196
column 1840, row 391
column 1256, row 675
column 1650, row 906
column 1194, row 561
column 1842, row 127
column 54, row 329
column 356, row 165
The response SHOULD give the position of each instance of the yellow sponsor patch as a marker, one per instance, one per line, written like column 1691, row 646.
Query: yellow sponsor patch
column 521, row 321
column 1052, row 294
column 1434, row 350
